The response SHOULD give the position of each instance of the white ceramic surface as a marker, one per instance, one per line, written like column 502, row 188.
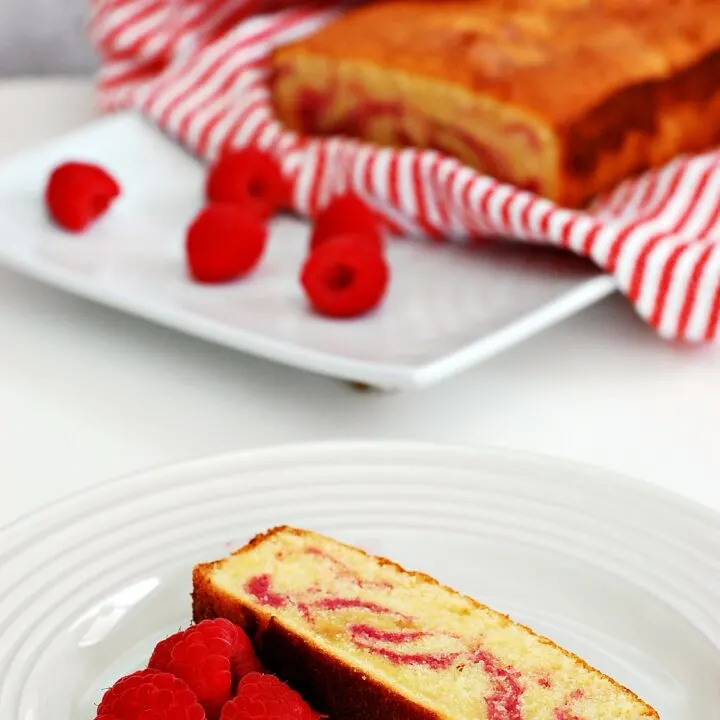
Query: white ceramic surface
column 626, row 575
column 448, row 308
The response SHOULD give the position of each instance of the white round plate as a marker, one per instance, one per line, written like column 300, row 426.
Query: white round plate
column 618, row 572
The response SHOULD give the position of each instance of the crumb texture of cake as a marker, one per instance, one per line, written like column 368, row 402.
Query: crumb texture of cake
column 364, row 639
column 564, row 97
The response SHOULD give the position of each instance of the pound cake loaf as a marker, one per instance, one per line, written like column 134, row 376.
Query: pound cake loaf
column 363, row 639
column 562, row 97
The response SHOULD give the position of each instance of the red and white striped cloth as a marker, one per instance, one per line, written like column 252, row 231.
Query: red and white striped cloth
column 198, row 69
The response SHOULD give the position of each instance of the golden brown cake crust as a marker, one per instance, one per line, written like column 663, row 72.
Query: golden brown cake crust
column 556, row 58
column 328, row 683
column 620, row 85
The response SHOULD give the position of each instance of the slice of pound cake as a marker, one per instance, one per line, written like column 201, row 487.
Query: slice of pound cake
column 362, row 639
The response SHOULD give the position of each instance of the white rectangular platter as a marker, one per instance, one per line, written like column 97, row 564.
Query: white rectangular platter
column 448, row 307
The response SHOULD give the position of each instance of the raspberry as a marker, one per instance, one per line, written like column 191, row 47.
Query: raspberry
column 243, row 659
column 228, row 639
column 223, row 243
column 160, row 658
column 150, row 695
column 264, row 697
column 346, row 214
column 78, row 193
column 210, row 657
column 202, row 661
column 250, row 178
column 345, row 277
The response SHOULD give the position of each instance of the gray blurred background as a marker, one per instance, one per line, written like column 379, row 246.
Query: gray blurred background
column 41, row 37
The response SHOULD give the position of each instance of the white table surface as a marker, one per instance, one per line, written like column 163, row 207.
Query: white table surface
column 87, row 393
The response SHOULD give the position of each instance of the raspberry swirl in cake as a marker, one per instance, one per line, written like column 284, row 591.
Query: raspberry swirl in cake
column 394, row 636
column 391, row 631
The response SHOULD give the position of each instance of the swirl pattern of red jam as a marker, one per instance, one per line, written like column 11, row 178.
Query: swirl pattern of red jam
column 435, row 661
column 339, row 603
column 344, row 571
column 259, row 587
column 504, row 701
column 395, row 644
column 368, row 632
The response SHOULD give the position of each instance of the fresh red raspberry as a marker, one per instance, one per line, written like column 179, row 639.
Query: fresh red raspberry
column 202, row 660
column 250, row 178
column 224, row 242
column 150, row 695
column 264, row 697
column 211, row 657
column 243, row 659
column 78, row 193
column 226, row 638
column 345, row 277
column 160, row 658
column 346, row 214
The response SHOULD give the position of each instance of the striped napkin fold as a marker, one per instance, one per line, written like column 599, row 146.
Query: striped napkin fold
column 198, row 69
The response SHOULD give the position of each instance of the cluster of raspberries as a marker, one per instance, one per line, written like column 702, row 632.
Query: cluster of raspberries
column 207, row 672
column 344, row 275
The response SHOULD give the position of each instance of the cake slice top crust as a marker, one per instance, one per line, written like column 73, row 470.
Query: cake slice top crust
column 433, row 646
column 557, row 59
